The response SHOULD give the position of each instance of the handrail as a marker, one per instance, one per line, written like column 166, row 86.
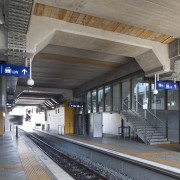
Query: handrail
column 152, row 114
column 127, row 108
column 145, row 137
column 162, row 125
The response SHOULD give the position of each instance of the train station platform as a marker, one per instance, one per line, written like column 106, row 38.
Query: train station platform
column 21, row 159
column 162, row 155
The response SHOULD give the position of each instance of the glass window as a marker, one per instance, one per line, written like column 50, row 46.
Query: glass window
column 100, row 100
column 126, row 94
column 108, row 98
column 141, row 94
column 157, row 102
column 116, row 97
column 88, row 102
column 94, row 103
column 172, row 101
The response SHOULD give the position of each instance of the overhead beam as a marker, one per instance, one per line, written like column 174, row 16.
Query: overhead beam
column 68, row 94
column 115, row 75
column 44, row 31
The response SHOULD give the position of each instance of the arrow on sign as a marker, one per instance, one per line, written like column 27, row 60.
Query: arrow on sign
column 24, row 71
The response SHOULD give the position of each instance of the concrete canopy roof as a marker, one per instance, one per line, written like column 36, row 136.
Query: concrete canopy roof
column 75, row 41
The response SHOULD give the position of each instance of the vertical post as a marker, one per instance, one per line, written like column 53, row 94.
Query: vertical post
column 155, row 80
column 2, row 103
column 122, row 125
column 111, row 109
column 131, row 94
column 137, row 89
column 179, row 107
column 120, row 99
column 166, row 112
column 145, row 134
column 16, row 131
column 30, row 67
column 166, row 126
column 91, row 101
column 150, row 96
column 69, row 127
column 97, row 107
column 104, row 109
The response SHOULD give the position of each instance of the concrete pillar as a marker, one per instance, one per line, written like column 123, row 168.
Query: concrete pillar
column 7, row 122
column 2, row 103
column 1, row 124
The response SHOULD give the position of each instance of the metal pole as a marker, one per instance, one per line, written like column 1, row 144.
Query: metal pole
column 69, row 128
column 145, row 134
column 16, row 131
column 155, row 81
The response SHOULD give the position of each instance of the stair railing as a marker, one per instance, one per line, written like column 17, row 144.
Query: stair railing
column 151, row 118
column 126, row 108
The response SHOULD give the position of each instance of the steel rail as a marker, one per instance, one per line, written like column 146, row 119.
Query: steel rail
column 72, row 167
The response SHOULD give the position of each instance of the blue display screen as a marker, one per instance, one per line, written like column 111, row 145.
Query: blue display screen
column 167, row 85
column 17, row 71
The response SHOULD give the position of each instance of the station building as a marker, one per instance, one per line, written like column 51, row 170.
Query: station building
column 107, row 62
column 92, row 69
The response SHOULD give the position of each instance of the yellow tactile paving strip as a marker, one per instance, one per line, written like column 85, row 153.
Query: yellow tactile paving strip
column 151, row 156
column 32, row 168
column 2, row 168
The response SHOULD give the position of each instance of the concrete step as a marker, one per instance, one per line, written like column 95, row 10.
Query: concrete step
column 138, row 121
column 145, row 129
column 141, row 124
column 164, row 142
column 158, row 139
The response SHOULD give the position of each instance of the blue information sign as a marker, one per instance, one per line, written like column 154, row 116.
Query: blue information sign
column 167, row 85
column 18, row 71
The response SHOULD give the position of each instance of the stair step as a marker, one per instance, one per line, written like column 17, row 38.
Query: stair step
column 158, row 140
column 147, row 130
column 144, row 129
column 164, row 142
column 156, row 137
column 141, row 125
column 138, row 122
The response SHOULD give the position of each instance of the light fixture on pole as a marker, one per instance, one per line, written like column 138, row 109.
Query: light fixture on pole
column 155, row 92
column 30, row 81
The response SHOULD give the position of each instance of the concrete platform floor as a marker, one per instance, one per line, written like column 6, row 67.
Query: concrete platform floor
column 10, row 163
column 166, row 154
column 20, row 159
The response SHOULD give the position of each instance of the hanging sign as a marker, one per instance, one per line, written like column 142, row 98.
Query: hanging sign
column 17, row 71
column 167, row 85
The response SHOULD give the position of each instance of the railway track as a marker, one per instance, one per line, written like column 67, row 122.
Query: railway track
column 108, row 165
column 75, row 169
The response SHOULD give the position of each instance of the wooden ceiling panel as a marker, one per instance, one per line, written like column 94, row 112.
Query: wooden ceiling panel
column 74, row 17
column 96, row 22
column 47, row 11
column 54, row 13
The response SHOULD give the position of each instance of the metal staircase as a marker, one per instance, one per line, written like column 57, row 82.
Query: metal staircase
column 145, row 128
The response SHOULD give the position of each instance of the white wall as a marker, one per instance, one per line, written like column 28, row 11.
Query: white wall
column 95, row 124
column 55, row 118
column 111, row 122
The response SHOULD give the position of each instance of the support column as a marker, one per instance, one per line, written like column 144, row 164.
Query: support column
column 7, row 122
column 2, row 103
